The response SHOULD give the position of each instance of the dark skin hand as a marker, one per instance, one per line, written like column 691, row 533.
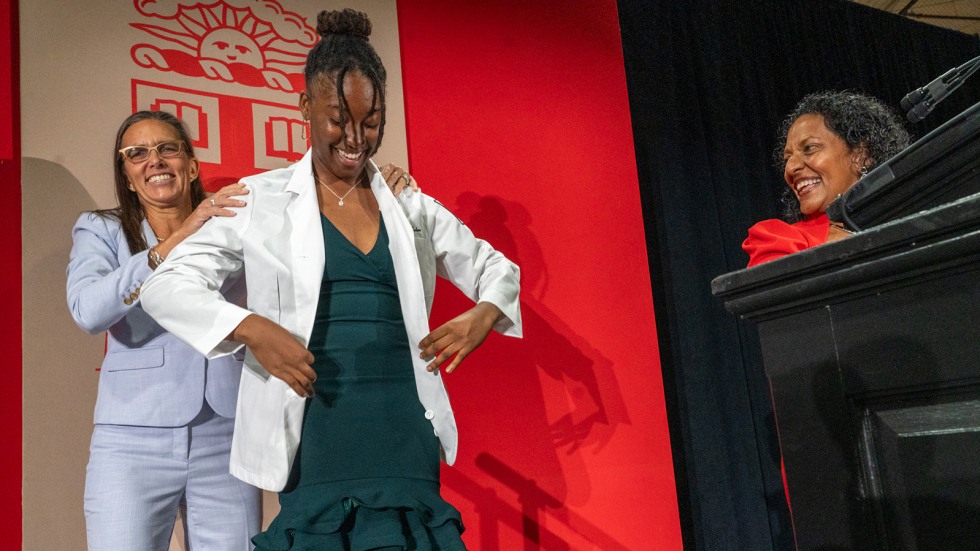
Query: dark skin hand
column 459, row 336
column 278, row 352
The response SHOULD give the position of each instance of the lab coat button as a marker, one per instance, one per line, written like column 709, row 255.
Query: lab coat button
column 429, row 414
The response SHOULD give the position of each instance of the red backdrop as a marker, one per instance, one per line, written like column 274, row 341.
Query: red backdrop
column 10, row 260
column 518, row 121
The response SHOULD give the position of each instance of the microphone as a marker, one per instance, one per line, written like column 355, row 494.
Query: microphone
column 921, row 101
column 937, row 86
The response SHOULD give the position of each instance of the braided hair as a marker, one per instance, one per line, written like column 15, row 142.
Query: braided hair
column 861, row 121
column 344, row 47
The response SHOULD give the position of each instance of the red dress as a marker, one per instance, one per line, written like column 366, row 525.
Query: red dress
column 772, row 239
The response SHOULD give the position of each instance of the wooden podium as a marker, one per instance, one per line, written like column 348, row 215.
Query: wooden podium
column 872, row 346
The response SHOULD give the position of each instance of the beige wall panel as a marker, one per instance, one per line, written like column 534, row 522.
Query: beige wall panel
column 76, row 87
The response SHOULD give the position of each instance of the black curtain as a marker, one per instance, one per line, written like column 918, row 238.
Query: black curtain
column 709, row 81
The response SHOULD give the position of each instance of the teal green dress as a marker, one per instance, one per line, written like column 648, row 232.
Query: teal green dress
column 366, row 475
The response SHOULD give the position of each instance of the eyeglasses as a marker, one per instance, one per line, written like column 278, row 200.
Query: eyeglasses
column 140, row 153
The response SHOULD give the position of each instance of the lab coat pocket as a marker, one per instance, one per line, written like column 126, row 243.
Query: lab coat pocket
column 267, row 302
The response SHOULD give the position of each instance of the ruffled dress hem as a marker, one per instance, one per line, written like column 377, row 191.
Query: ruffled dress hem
column 379, row 519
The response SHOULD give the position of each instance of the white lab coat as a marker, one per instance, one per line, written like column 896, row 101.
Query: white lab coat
column 278, row 241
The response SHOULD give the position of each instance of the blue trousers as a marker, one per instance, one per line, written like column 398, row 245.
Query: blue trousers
column 138, row 477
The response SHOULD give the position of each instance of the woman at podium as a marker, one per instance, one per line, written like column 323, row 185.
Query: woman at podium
column 824, row 146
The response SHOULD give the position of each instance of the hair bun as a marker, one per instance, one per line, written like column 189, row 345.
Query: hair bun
column 347, row 21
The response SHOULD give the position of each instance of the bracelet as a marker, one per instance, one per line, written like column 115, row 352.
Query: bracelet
column 841, row 228
column 154, row 258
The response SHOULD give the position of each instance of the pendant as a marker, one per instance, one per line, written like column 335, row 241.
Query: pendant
column 341, row 203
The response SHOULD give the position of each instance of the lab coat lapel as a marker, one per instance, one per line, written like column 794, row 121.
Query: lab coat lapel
column 306, row 249
column 401, row 244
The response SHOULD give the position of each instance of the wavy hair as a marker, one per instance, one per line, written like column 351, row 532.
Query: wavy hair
column 861, row 121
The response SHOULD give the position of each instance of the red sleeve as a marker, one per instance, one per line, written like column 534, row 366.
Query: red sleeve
column 772, row 239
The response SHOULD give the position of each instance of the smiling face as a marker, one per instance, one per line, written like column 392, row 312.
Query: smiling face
column 159, row 182
column 819, row 164
column 343, row 135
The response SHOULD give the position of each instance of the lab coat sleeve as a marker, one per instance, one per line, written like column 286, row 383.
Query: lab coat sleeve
column 474, row 266
column 183, row 294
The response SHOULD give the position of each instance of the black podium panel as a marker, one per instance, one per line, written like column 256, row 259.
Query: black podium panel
column 872, row 346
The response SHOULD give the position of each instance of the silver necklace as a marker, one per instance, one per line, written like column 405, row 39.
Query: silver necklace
column 341, row 202
column 159, row 240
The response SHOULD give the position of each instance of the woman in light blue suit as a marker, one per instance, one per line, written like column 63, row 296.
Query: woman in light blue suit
column 165, row 413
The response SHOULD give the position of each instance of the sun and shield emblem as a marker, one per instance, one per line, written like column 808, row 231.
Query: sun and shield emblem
column 252, row 43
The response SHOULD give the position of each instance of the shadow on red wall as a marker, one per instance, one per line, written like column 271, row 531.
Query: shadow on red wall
column 561, row 398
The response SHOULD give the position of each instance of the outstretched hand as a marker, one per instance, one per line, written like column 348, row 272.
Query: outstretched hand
column 278, row 352
column 459, row 336
column 217, row 204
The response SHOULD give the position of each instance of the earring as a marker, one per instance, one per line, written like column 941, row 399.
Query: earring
column 306, row 129
column 864, row 171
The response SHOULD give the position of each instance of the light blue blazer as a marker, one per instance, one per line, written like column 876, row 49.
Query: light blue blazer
column 149, row 377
